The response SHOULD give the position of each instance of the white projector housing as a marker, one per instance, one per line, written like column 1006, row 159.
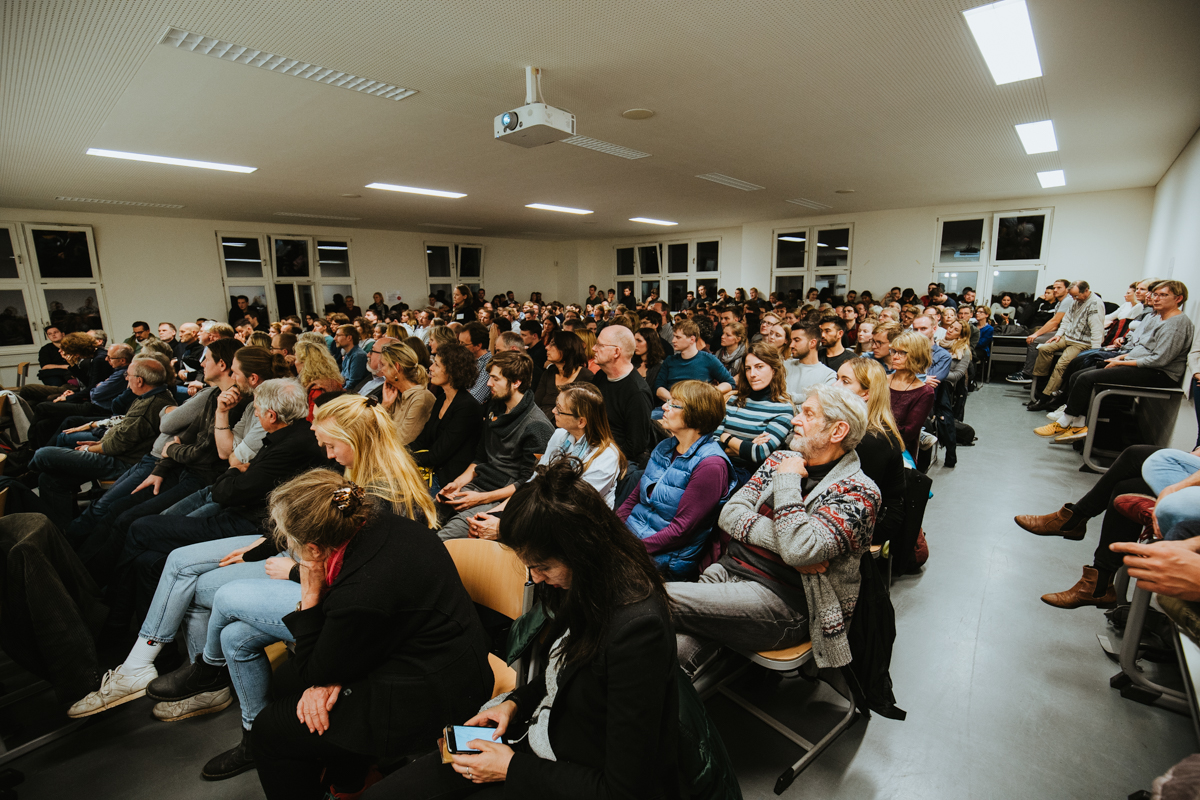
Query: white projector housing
column 534, row 124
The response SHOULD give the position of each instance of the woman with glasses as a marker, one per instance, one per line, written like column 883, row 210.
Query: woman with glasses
column 582, row 433
column 566, row 365
column 758, row 417
column 688, row 476
column 912, row 399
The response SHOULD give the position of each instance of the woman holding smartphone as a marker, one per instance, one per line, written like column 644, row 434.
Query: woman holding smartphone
column 603, row 720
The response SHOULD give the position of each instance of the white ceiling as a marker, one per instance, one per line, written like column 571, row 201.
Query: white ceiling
column 804, row 97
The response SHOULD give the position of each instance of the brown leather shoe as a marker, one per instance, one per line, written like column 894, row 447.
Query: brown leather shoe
column 1052, row 524
column 1080, row 594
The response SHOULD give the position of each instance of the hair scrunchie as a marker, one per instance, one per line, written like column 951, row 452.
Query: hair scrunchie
column 348, row 499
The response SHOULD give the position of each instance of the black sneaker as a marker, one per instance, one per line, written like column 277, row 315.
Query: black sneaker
column 188, row 681
column 231, row 762
column 1019, row 377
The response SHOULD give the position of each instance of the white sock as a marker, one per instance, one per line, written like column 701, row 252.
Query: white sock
column 142, row 655
column 1077, row 422
column 1065, row 420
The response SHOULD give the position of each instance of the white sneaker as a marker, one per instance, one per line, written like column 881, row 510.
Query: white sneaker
column 1056, row 413
column 927, row 440
column 198, row 705
column 116, row 688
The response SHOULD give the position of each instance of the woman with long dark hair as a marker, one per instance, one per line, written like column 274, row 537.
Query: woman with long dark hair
column 603, row 720
column 758, row 416
column 647, row 354
column 464, row 305
column 566, row 365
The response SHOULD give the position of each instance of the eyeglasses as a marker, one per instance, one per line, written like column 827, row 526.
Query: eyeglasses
column 559, row 412
column 673, row 404
column 613, row 346
column 896, row 352
column 1161, row 294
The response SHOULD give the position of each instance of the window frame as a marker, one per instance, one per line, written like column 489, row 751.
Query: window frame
column 1047, row 233
column 664, row 277
column 809, row 271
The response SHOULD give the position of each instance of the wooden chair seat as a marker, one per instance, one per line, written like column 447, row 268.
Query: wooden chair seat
column 787, row 655
column 277, row 654
column 506, row 676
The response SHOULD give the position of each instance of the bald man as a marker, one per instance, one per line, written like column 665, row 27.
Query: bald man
column 627, row 397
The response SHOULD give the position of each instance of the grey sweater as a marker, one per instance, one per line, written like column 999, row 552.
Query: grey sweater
column 511, row 444
column 1166, row 346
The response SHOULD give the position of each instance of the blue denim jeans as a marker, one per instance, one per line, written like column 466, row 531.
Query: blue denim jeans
column 63, row 470
column 247, row 616
column 1167, row 467
column 186, row 589
column 111, row 503
column 198, row 504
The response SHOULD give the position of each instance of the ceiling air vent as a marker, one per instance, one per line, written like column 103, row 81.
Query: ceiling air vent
column 813, row 204
column 605, row 147
column 227, row 51
column 312, row 216
column 725, row 180
column 116, row 202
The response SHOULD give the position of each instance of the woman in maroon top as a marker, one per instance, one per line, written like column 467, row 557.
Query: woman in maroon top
column 912, row 398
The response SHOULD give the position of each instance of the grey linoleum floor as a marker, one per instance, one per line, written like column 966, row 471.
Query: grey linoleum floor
column 1006, row 697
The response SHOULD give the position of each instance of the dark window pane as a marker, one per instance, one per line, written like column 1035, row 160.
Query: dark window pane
column 1020, row 238
column 707, row 254
column 73, row 309
column 333, row 296
column 1022, row 284
column 676, row 293
column 291, row 258
column 470, row 262
column 62, row 254
column 790, row 289
column 708, row 283
column 961, row 240
column 622, row 299
column 647, row 287
column 625, row 261
column 437, row 258
column 8, row 256
column 677, row 257
column 334, row 259
column 790, row 249
column 307, row 303
column 443, row 292
column 648, row 259
column 14, row 319
column 831, row 284
column 833, row 247
column 285, row 299
column 241, row 257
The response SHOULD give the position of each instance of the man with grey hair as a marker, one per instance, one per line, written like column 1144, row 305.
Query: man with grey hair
column 509, row 341
column 798, row 530
column 63, row 469
column 372, row 383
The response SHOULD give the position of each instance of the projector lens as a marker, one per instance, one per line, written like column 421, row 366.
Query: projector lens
column 509, row 121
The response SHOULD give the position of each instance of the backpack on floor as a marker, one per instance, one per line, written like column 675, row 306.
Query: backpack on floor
column 964, row 434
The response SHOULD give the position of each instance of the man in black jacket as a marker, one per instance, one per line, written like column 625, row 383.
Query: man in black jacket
column 288, row 449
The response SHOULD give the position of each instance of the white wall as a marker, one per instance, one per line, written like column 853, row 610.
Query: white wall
column 1173, row 250
column 157, row 268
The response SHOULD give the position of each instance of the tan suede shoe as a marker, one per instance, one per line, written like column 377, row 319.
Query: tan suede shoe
column 1080, row 594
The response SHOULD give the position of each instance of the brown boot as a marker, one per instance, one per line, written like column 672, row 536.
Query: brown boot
column 1081, row 594
column 1052, row 524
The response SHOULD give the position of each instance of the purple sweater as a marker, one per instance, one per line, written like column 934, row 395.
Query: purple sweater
column 705, row 489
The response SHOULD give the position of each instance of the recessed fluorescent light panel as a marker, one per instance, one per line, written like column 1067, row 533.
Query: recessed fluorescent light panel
column 414, row 190
column 1037, row 137
column 1005, row 38
column 227, row 51
column 735, row 183
column 649, row 221
column 1054, row 177
column 311, row 216
column 563, row 209
column 605, row 147
column 179, row 162
column 813, row 204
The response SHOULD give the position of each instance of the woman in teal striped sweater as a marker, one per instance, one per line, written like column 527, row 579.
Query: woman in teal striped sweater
column 758, row 417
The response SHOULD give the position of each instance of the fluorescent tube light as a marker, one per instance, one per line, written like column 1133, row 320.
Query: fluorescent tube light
column 822, row 244
column 250, row 260
column 841, row 248
column 1005, row 38
column 414, row 190
column 330, row 247
column 233, row 244
column 649, row 221
column 791, row 239
column 563, row 209
column 179, row 162
column 1055, row 177
column 1037, row 137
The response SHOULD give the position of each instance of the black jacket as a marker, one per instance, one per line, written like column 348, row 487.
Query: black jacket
column 399, row 633
column 284, row 455
column 882, row 459
column 449, row 443
column 615, row 720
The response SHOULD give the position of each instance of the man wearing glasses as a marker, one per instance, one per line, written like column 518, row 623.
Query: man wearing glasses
column 372, row 384
column 627, row 398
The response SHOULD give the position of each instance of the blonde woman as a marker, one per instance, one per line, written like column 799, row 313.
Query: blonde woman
column 582, row 433
column 404, row 394
column 911, row 398
column 317, row 371
column 359, row 434
column 881, row 451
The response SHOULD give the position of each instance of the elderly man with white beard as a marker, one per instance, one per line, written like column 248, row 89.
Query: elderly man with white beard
column 798, row 530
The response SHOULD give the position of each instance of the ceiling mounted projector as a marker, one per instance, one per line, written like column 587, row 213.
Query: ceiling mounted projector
column 535, row 123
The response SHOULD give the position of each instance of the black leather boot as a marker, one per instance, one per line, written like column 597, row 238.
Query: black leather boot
column 231, row 762
column 188, row 681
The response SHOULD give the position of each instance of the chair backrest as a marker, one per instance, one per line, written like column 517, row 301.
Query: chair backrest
column 22, row 373
column 3, row 500
column 493, row 575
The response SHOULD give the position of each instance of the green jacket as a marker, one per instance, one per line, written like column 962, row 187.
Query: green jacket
column 134, row 435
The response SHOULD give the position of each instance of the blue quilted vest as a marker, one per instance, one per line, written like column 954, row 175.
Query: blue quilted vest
column 655, row 509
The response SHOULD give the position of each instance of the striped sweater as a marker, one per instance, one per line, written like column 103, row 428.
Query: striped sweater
column 757, row 417
column 834, row 523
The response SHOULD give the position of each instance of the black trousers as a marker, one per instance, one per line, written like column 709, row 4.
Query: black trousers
column 1123, row 477
column 48, row 418
column 1080, row 395
column 428, row 778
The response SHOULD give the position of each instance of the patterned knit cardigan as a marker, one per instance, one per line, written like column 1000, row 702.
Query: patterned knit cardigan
column 834, row 524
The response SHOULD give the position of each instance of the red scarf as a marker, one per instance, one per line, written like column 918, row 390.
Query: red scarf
column 333, row 564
